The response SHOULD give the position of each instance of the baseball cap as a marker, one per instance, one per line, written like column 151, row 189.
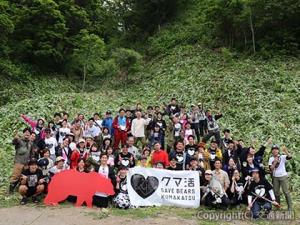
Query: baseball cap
column 208, row 172
column 143, row 157
column 81, row 140
column 70, row 134
column 255, row 169
column 275, row 147
column 43, row 162
column 213, row 141
column 59, row 158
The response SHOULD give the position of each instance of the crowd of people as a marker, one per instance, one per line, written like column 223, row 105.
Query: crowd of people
column 170, row 136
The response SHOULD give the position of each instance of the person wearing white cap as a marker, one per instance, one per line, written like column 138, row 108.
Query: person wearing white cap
column 214, row 194
column 58, row 167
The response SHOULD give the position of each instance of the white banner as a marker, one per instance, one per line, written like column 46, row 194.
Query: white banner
column 148, row 187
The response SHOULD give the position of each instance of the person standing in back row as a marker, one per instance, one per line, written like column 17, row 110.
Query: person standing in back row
column 138, row 128
column 280, row 178
column 121, row 127
column 213, row 127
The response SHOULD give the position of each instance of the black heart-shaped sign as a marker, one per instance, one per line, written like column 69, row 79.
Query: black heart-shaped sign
column 144, row 187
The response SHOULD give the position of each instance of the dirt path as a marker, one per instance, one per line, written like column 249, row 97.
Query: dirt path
column 24, row 215
column 28, row 215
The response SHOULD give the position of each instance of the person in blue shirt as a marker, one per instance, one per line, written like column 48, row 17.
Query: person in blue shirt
column 107, row 122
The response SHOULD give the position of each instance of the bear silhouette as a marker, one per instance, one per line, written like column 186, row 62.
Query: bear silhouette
column 82, row 185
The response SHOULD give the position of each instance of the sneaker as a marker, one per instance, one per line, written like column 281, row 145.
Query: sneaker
column 35, row 199
column 23, row 201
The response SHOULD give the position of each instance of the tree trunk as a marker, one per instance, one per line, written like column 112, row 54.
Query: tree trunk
column 84, row 78
column 245, row 40
column 252, row 31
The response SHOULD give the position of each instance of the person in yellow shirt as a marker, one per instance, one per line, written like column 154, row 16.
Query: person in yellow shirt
column 145, row 159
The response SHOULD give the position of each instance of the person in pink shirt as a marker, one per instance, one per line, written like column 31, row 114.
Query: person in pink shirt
column 36, row 126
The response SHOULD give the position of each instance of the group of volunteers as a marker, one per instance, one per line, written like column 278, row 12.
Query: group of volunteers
column 171, row 137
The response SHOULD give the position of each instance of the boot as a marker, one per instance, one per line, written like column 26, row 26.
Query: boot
column 12, row 187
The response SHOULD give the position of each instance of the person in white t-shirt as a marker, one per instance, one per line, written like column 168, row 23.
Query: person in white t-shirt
column 138, row 126
column 101, row 199
column 63, row 131
column 98, row 120
column 91, row 130
column 51, row 143
column 279, row 175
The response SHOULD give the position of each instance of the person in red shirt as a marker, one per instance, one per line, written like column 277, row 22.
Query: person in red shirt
column 159, row 155
column 121, row 125
column 78, row 152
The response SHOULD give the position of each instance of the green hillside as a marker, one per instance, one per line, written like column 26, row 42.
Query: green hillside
column 258, row 98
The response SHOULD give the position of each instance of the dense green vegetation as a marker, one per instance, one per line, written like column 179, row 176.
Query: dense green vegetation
column 198, row 51
column 258, row 98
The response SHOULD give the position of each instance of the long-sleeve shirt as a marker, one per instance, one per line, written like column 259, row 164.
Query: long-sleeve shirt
column 160, row 156
column 138, row 127
column 23, row 150
column 33, row 125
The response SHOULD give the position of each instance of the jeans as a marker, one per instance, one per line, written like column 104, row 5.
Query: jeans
column 257, row 207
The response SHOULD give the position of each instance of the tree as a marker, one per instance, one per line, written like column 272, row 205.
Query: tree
column 128, row 61
column 89, row 53
column 6, row 27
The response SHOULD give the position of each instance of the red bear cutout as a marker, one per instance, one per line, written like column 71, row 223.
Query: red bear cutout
column 82, row 185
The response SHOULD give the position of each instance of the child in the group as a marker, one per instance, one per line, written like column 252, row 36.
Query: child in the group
column 105, row 133
column 106, row 143
column 122, row 200
column 188, row 131
column 111, row 156
column 45, row 163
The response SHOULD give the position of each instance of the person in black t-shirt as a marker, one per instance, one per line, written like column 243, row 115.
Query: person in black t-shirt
column 32, row 182
column 180, row 155
column 122, row 199
column 260, row 196
column 191, row 150
column 238, row 189
column 173, row 107
column 173, row 164
column 125, row 158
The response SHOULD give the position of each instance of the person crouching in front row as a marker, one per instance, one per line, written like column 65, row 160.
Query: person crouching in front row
column 32, row 182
